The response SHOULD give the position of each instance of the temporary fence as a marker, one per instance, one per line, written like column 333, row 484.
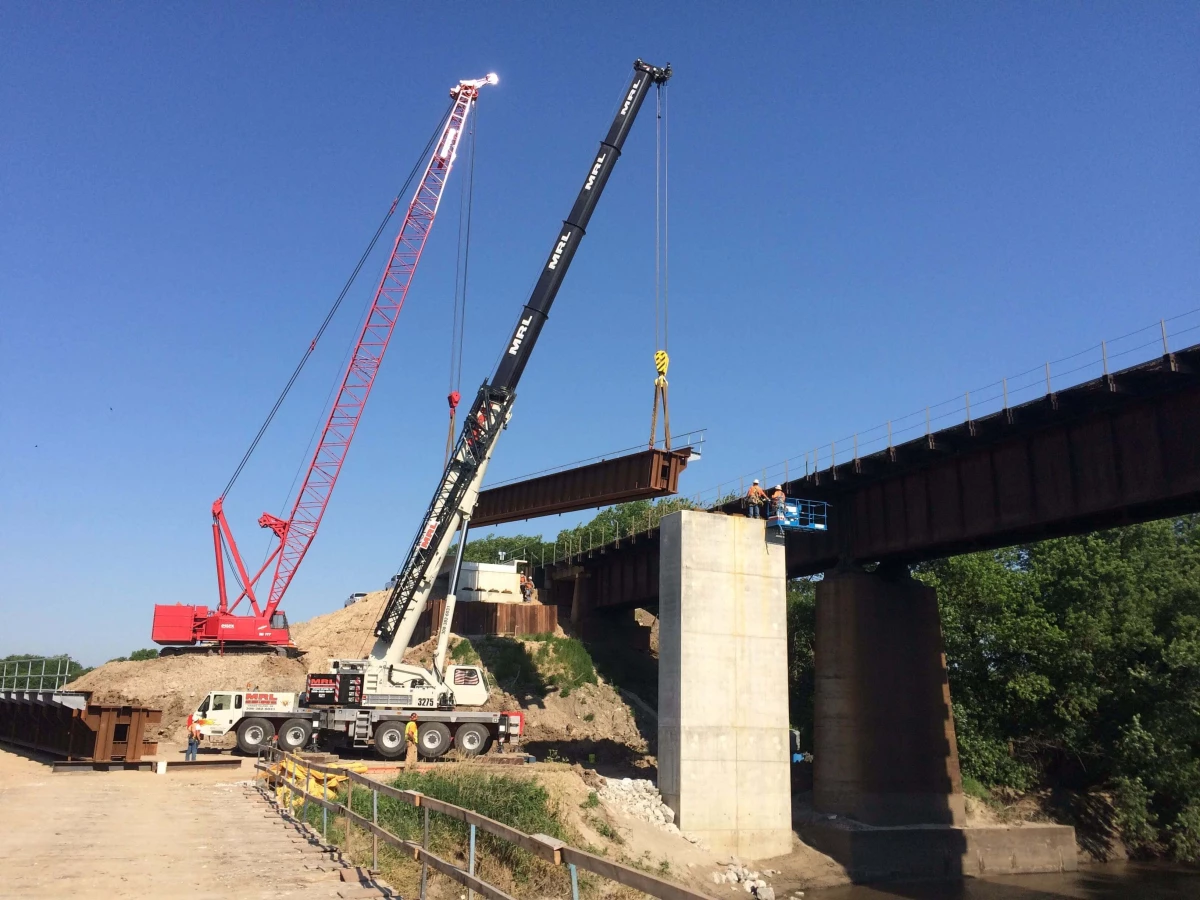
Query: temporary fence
column 294, row 780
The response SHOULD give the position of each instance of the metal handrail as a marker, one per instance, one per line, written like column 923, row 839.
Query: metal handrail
column 35, row 673
column 542, row 846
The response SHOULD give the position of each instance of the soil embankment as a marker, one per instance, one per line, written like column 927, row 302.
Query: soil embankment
column 590, row 721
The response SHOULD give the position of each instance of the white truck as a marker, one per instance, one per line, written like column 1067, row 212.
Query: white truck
column 259, row 718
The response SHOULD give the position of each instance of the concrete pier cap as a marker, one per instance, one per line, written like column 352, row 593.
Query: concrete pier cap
column 723, row 754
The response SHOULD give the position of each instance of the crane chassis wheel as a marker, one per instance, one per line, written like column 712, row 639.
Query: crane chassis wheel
column 471, row 739
column 389, row 739
column 433, row 739
column 294, row 734
column 253, row 734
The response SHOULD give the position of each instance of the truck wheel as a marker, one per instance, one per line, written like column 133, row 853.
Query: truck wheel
column 253, row 734
column 471, row 739
column 433, row 739
column 389, row 740
column 294, row 734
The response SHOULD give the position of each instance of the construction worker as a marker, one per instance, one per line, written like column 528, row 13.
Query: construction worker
column 410, row 741
column 755, row 498
column 526, row 588
column 193, row 744
column 777, row 498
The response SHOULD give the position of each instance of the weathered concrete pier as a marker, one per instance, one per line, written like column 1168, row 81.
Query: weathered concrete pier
column 723, row 756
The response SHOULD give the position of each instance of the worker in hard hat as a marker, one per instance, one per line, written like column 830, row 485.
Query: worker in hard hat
column 410, row 741
column 777, row 498
column 193, row 744
column 755, row 498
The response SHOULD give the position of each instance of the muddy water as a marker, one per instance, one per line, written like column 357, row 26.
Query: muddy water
column 1115, row 881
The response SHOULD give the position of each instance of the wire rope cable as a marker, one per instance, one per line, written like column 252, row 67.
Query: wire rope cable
column 336, row 304
column 462, row 262
column 666, row 261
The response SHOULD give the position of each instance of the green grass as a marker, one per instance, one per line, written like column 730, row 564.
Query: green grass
column 590, row 717
column 548, row 662
column 566, row 662
column 510, row 665
column 592, row 801
column 976, row 789
column 520, row 803
column 464, row 653
column 606, row 830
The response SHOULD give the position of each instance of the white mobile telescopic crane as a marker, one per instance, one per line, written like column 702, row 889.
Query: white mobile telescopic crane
column 360, row 690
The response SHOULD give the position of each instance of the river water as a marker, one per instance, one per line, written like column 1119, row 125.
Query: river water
column 1113, row 881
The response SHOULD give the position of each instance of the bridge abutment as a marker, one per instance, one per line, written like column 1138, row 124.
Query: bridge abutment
column 723, row 755
column 884, row 746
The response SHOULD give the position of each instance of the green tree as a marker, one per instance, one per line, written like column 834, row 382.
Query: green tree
column 518, row 546
column 1075, row 663
column 802, row 630
column 621, row 521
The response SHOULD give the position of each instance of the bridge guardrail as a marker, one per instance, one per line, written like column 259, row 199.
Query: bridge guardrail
column 542, row 846
column 35, row 673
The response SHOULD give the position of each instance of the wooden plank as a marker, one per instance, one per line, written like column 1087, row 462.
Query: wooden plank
column 412, row 798
column 418, row 852
column 382, row 833
column 446, row 868
column 491, row 826
column 640, row 881
column 549, row 849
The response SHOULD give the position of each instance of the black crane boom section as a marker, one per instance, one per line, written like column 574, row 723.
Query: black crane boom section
column 489, row 413
column 533, row 316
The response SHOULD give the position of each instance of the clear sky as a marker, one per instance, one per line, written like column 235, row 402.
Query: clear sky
column 873, row 207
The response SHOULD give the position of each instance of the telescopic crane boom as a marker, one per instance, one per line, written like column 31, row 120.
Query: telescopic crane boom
column 449, row 512
column 266, row 625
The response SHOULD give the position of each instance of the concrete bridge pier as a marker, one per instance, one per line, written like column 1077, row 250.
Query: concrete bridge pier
column 884, row 746
column 723, row 755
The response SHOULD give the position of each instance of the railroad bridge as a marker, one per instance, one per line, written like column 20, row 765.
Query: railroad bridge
column 1119, row 449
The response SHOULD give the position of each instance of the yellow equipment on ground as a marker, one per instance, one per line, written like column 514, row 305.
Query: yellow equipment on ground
column 289, row 776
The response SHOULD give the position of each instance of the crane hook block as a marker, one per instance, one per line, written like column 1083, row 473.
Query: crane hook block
column 661, row 361
column 452, row 398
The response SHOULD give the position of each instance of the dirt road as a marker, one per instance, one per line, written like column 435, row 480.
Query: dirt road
column 191, row 834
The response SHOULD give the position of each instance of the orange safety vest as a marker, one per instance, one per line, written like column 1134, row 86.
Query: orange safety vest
column 756, row 494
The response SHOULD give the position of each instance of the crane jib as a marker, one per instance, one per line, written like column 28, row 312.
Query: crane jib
column 454, row 499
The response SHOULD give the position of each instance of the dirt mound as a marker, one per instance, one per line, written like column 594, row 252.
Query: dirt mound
column 588, row 722
column 176, row 684
column 342, row 634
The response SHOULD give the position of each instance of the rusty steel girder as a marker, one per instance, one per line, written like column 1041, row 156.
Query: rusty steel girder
column 639, row 476
column 68, row 725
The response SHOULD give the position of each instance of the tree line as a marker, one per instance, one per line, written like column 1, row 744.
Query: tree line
column 1074, row 665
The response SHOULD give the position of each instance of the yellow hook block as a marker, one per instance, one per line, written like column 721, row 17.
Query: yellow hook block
column 661, row 361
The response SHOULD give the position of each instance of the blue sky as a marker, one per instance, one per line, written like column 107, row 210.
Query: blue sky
column 873, row 207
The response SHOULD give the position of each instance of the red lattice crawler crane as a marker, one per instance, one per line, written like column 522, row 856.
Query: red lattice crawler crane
column 265, row 625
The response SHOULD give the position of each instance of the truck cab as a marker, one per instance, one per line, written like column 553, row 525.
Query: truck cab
column 256, row 717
